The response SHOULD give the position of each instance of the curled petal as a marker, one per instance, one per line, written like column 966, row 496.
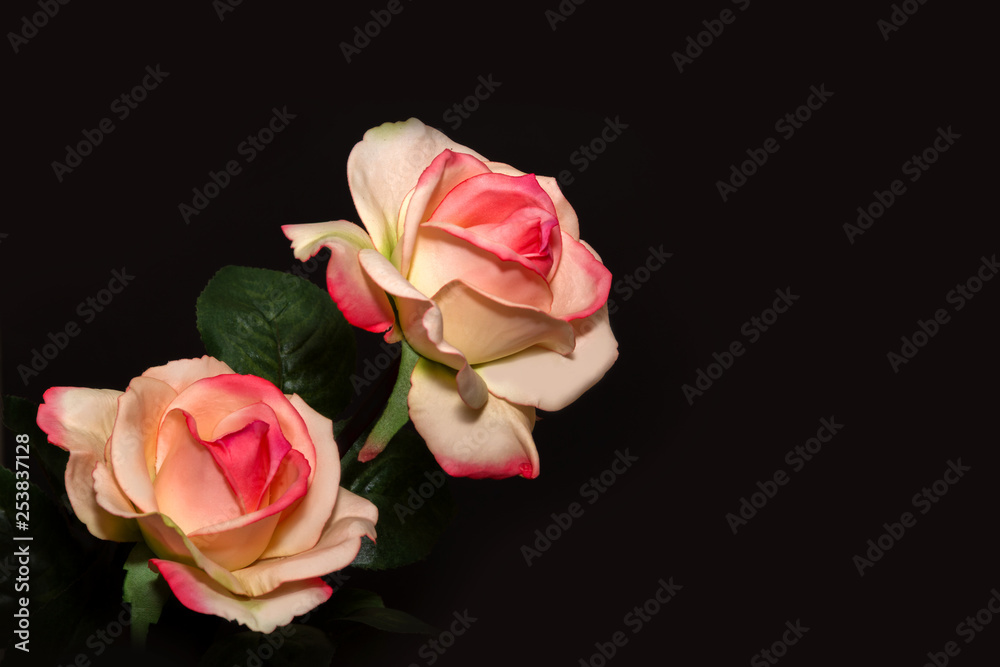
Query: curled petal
column 582, row 283
column 362, row 302
column 493, row 441
column 199, row 592
column 550, row 381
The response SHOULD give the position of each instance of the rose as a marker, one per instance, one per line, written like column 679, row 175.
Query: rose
column 492, row 286
column 233, row 485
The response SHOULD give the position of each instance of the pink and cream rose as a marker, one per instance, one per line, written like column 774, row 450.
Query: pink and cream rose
column 493, row 287
column 232, row 484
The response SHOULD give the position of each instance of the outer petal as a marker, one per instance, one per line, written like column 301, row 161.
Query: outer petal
column 384, row 166
column 182, row 373
column 494, row 441
column 199, row 592
column 362, row 302
column 133, row 440
column 80, row 421
column 582, row 283
column 550, row 381
column 353, row 517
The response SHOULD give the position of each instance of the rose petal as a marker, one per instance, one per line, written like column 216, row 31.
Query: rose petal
column 190, row 487
column 133, row 440
column 384, row 166
column 550, row 381
column 444, row 173
column 494, row 441
column 212, row 400
column 361, row 301
column 485, row 328
column 582, row 283
column 80, row 421
column 198, row 592
column 422, row 323
column 568, row 220
column 302, row 524
column 352, row 518
column 443, row 255
column 182, row 373
column 249, row 457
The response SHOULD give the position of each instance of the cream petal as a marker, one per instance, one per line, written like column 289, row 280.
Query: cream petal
column 493, row 441
column 550, row 381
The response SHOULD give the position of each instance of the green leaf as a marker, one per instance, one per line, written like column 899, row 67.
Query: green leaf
column 411, row 493
column 288, row 646
column 145, row 590
column 396, row 412
column 282, row 328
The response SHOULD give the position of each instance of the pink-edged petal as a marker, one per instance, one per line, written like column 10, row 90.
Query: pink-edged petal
column 249, row 458
column 182, row 373
column 568, row 220
column 190, row 487
column 167, row 540
column 353, row 518
column 550, row 381
column 199, row 592
column 212, row 400
column 447, row 252
column 444, row 173
column 79, row 419
column 384, row 166
column 134, row 437
column 485, row 328
column 361, row 301
column 494, row 441
column 582, row 283
column 301, row 525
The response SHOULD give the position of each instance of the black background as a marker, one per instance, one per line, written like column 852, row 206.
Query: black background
column 654, row 186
